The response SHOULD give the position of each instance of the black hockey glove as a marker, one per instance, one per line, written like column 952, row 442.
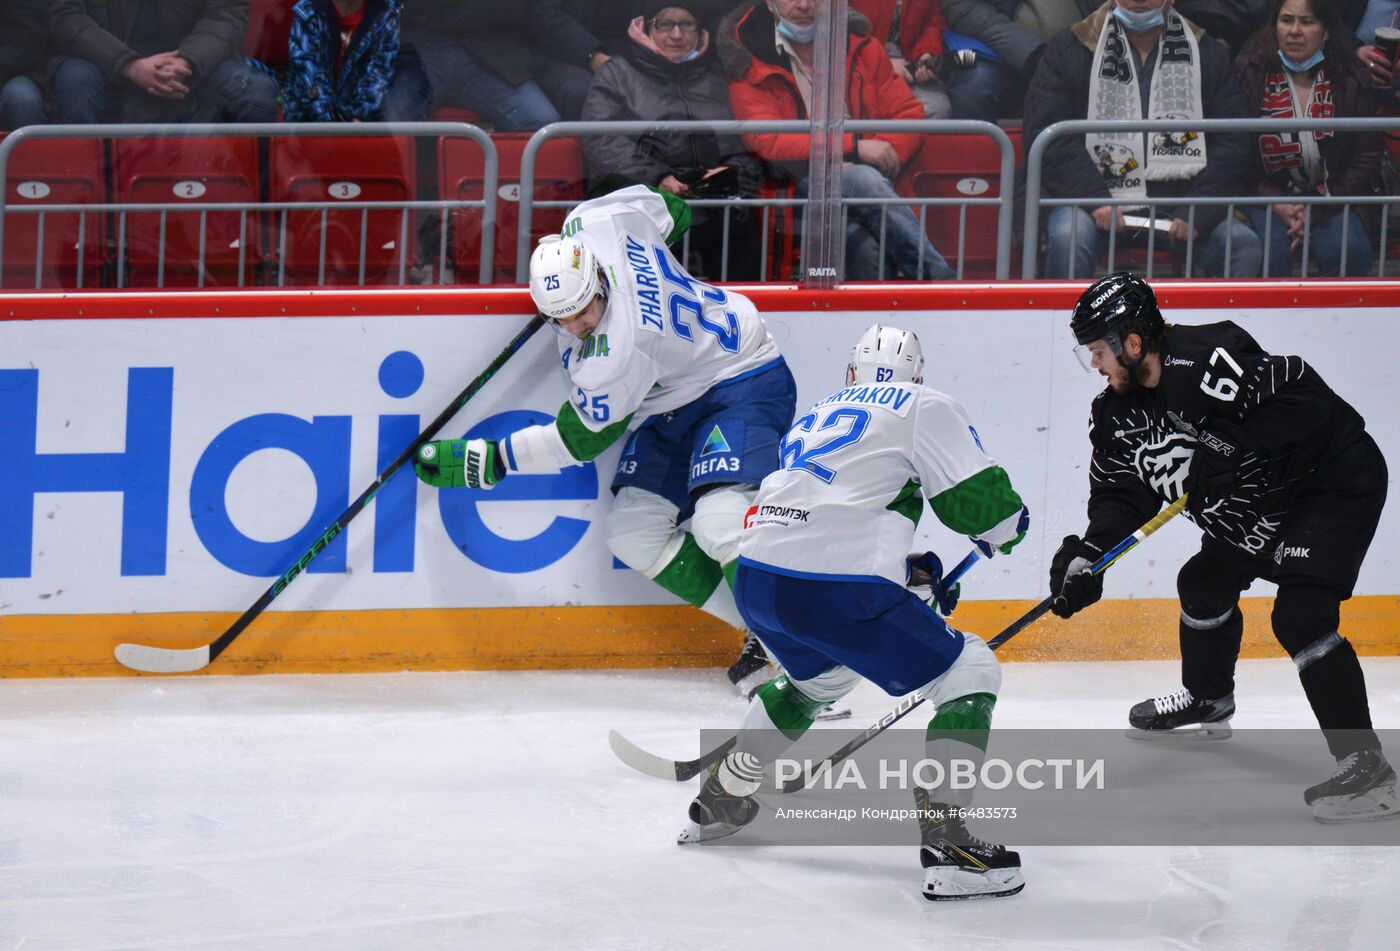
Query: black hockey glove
column 1073, row 585
column 1224, row 459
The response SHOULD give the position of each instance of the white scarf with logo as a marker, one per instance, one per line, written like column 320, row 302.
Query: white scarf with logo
column 1129, row 160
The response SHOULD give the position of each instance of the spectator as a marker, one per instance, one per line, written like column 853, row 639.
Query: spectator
column 1108, row 67
column 1384, row 76
column 912, row 31
column 341, row 60
column 766, row 49
column 1015, row 32
column 157, row 61
column 519, row 66
column 24, row 39
column 668, row 72
column 1300, row 66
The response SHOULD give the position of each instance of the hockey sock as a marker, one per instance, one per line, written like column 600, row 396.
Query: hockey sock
column 969, row 717
column 695, row 578
column 957, row 738
column 777, row 717
column 1336, row 690
column 1210, row 647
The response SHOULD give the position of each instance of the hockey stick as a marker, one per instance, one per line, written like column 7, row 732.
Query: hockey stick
column 681, row 770
column 1020, row 624
column 161, row 660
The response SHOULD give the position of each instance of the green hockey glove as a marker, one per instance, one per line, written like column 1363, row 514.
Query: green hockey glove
column 456, row 463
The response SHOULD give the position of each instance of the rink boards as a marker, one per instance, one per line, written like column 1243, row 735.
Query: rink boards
column 164, row 457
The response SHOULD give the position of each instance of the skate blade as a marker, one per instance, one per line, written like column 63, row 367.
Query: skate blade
column 1370, row 806
column 838, row 712
column 1199, row 732
column 694, row 833
column 952, row 883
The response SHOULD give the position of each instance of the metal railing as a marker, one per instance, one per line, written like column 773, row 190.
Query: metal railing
column 1035, row 157
column 488, row 203
column 1003, row 199
column 279, row 130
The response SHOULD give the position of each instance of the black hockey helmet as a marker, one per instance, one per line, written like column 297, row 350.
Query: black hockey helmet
column 1112, row 303
column 1109, row 310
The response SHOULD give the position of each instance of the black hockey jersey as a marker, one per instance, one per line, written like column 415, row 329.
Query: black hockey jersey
column 1274, row 410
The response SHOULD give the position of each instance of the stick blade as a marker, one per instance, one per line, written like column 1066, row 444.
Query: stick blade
column 160, row 660
column 660, row 767
column 639, row 759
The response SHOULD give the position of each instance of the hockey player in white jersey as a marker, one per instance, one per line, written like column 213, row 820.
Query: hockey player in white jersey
column 823, row 567
column 642, row 340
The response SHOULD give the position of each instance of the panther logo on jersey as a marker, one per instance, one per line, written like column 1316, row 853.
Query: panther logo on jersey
column 1163, row 463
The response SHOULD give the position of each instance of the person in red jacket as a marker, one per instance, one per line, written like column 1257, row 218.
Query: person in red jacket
column 766, row 50
column 912, row 31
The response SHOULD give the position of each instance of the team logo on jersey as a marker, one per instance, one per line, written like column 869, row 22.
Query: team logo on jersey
column 721, row 453
column 1164, row 463
column 715, row 442
column 593, row 344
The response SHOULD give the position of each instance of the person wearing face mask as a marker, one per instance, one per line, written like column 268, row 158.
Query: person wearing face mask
column 1111, row 66
column 667, row 72
column 766, row 48
column 1300, row 67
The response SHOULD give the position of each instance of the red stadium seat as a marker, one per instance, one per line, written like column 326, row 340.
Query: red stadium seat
column 172, row 171
column 454, row 114
column 559, row 176
column 361, row 246
column 71, row 251
column 956, row 166
column 269, row 24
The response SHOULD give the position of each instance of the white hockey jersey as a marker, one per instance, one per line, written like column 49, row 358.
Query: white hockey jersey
column 664, row 340
column 855, row 471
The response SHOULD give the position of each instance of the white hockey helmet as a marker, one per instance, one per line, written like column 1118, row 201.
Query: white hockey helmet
column 886, row 355
column 564, row 276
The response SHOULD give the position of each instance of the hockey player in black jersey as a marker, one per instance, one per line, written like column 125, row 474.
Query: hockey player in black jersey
column 1285, row 484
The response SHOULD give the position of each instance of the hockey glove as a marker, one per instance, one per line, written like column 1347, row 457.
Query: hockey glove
column 1220, row 464
column 1074, row 586
column 989, row 548
column 457, row 463
column 926, row 581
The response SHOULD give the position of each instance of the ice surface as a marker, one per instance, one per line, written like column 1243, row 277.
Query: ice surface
column 485, row 811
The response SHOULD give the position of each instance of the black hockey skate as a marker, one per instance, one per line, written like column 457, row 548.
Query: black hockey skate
column 1362, row 789
column 957, row 865
column 1181, row 715
column 717, row 812
column 752, row 669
